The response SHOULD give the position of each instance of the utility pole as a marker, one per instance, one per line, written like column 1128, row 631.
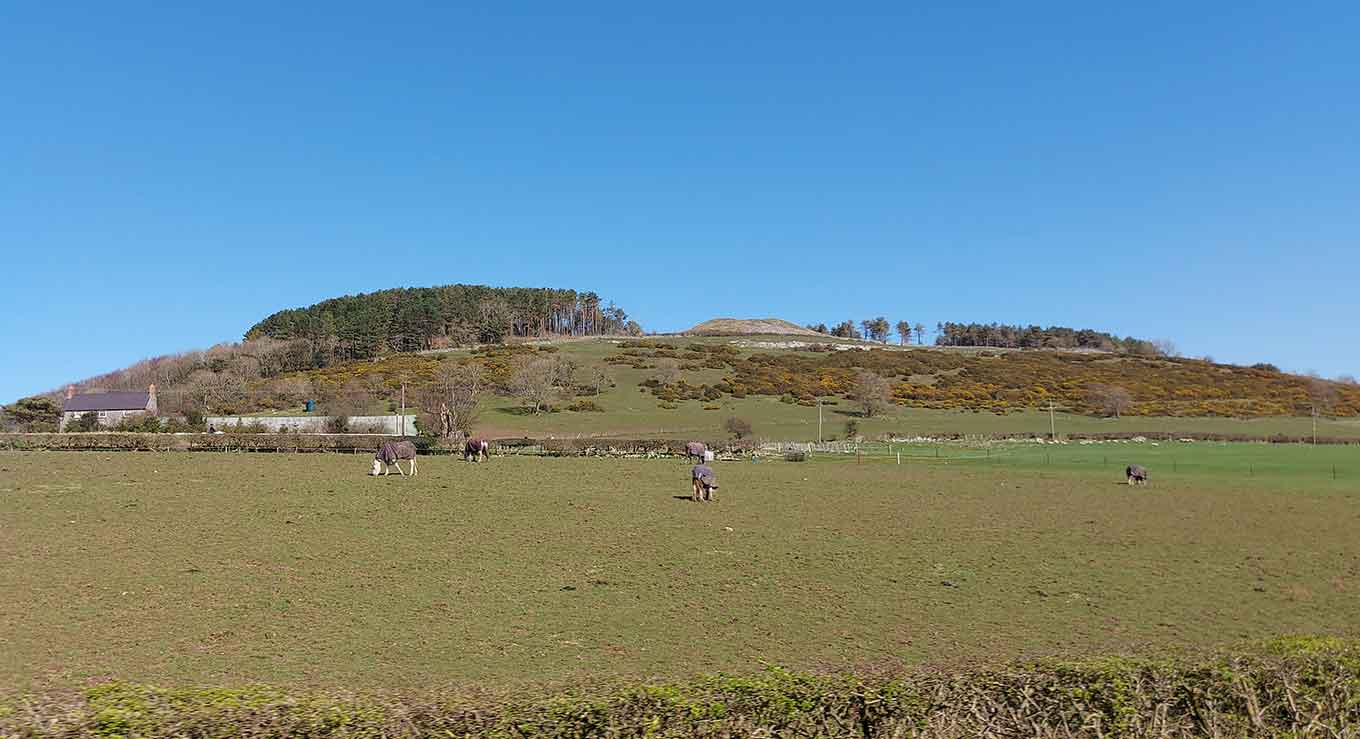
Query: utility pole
column 1052, row 425
column 1314, row 425
column 403, row 408
column 819, row 420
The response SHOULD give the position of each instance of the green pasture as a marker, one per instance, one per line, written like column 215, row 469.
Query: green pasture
column 1296, row 464
column 298, row 570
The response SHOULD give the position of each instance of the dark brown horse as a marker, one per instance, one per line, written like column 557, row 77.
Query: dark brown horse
column 475, row 449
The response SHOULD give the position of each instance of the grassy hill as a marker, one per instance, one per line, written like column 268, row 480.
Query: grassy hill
column 788, row 382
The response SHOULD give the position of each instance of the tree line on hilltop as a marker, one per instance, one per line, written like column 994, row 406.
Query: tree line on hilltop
column 415, row 319
column 873, row 329
column 996, row 335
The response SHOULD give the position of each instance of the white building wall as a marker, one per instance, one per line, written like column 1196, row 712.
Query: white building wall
column 390, row 425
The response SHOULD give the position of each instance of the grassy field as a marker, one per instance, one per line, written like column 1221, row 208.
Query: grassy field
column 299, row 570
column 1290, row 464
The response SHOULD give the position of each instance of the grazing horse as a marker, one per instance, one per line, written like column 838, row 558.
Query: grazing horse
column 1137, row 474
column 390, row 454
column 475, row 450
column 695, row 449
column 705, row 482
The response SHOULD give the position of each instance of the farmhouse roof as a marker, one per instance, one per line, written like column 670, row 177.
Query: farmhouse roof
column 125, row 401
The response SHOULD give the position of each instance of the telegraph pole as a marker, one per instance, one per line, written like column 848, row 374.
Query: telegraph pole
column 819, row 420
column 403, row 408
column 1052, row 425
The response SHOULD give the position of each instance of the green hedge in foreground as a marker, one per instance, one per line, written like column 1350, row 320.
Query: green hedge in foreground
column 1300, row 687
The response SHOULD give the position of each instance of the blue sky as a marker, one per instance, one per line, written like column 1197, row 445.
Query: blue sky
column 169, row 175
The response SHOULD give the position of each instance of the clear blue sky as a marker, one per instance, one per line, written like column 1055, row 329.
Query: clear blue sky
column 170, row 174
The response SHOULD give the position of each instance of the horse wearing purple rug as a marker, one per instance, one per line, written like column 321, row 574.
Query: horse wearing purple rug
column 391, row 453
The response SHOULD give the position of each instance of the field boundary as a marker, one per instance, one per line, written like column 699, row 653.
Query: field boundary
column 1300, row 687
column 293, row 442
column 114, row 441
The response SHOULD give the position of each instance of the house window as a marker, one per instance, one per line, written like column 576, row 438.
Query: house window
column 103, row 415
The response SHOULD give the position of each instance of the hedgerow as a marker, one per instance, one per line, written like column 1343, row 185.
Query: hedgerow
column 1297, row 687
column 161, row 442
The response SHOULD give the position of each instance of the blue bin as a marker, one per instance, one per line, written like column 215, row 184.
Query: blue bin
column 311, row 406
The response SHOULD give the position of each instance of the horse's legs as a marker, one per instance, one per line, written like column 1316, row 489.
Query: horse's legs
column 413, row 466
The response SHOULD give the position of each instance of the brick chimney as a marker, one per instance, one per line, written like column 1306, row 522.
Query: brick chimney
column 70, row 391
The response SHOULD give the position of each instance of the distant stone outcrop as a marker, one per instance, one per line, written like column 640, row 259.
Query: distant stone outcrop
column 749, row 327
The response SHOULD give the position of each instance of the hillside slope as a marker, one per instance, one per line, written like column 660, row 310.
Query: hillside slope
column 680, row 386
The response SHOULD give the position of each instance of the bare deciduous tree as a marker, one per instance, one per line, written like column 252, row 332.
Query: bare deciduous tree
column 535, row 381
column 593, row 377
column 564, row 372
column 920, row 331
column 453, row 401
column 872, row 393
column 354, row 398
column 1321, row 396
column 739, row 428
column 1112, row 398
